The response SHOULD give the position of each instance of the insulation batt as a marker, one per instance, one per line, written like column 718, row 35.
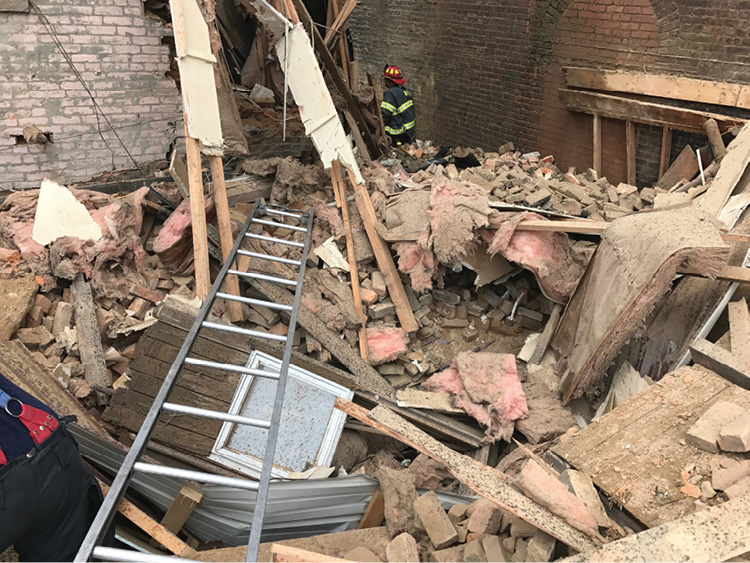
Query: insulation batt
column 385, row 344
column 557, row 265
column 487, row 387
column 174, row 243
column 417, row 260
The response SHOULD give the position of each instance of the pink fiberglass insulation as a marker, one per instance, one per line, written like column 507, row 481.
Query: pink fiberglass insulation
column 487, row 387
column 174, row 243
column 415, row 259
column 330, row 222
column 457, row 210
column 385, row 344
column 556, row 264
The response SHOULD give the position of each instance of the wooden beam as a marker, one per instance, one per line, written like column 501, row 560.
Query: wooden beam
column 626, row 109
column 597, row 144
column 374, row 513
column 198, row 217
column 718, row 533
column 721, row 361
column 666, row 151
column 182, row 507
column 384, row 258
column 341, row 17
column 630, row 151
column 739, row 329
column 225, row 232
column 338, row 80
column 287, row 554
column 377, row 87
column 714, row 139
column 480, row 478
column 732, row 168
column 88, row 336
column 661, row 86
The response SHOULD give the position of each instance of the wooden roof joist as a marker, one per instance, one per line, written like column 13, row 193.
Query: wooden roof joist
column 660, row 85
column 626, row 109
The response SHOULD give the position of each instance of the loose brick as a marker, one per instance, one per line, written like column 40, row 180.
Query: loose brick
column 735, row 436
column 705, row 432
column 474, row 553
column 493, row 550
column 537, row 198
column 446, row 296
column 541, row 547
column 439, row 528
column 361, row 554
column 485, row 517
column 450, row 555
column 402, row 548
column 739, row 489
column 378, row 283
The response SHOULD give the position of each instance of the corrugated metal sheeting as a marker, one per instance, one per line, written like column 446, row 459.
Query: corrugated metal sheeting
column 295, row 508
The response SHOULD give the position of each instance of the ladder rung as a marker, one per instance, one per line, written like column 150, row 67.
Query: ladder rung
column 232, row 368
column 245, row 331
column 280, row 225
column 195, row 476
column 264, row 277
column 276, row 240
column 250, row 301
column 269, row 257
column 115, row 554
column 283, row 213
column 216, row 415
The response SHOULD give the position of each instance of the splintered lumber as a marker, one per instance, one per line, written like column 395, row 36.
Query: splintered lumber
column 198, row 216
column 684, row 167
column 87, row 334
column 715, row 534
column 374, row 513
column 543, row 341
column 152, row 527
column 338, row 23
column 383, row 256
column 626, row 109
column 225, row 232
column 739, row 330
column 733, row 166
column 480, row 478
column 721, row 361
column 660, row 85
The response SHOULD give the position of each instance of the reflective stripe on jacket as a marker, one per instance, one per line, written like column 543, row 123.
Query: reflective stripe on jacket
column 398, row 111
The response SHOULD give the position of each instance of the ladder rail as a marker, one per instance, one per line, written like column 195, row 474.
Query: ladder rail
column 253, row 543
column 110, row 503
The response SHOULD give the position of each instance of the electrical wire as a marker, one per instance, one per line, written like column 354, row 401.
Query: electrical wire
column 97, row 108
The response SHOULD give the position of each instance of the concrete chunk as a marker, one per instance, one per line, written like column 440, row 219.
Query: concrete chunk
column 439, row 528
column 735, row 436
column 402, row 548
column 704, row 434
column 521, row 528
column 541, row 547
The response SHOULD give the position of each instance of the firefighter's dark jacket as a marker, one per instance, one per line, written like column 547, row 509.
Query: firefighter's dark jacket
column 398, row 111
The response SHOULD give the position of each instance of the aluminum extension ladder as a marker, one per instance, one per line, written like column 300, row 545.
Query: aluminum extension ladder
column 90, row 548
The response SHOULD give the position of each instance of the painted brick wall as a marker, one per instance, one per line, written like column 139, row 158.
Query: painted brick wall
column 122, row 59
column 485, row 73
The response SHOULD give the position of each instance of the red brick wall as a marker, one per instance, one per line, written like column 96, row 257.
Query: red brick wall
column 485, row 73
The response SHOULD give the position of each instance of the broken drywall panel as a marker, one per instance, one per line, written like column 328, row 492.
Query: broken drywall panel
column 60, row 214
column 196, row 63
column 319, row 116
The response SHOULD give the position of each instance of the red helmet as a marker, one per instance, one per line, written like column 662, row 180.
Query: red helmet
column 394, row 73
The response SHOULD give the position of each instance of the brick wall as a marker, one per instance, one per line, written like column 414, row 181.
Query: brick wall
column 486, row 73
column 122, row 58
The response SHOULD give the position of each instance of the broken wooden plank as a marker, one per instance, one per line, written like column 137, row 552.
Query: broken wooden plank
column 666, row 151
column 198, row 217
column 733, row 166
column 374, row 513
column 543, row 341
column 480, row 478
column 660, row 85
column 626, row 109
column 739, row 330
column 684, row 167
column 182, row 507
column 715, row 534
column 382, row 251
column 87, row 333
column 724, row 363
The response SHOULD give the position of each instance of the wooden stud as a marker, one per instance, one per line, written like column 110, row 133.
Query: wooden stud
column 666, row 151
column 358, row 140
column 225, row 232
column 354, row 75
column 198, row 216
column 377, row 87
column 720, row 361
column 339, row 188
column 384, row 258
column 374, row 513
column 739, row 330
column 630, row 150
column 597, row 144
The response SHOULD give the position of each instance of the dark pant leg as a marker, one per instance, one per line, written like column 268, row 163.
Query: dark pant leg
column 68, row 498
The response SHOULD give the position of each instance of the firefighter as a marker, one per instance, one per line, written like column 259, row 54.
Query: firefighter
column 48, row 498
column 397, row 107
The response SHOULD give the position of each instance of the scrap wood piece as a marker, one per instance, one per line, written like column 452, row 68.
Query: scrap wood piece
column 715, row 534
column 684, row 167
column 152, row 527
column 374, row 513
column 732, row 167
column 89, row 339
column 725, row 363
column 293, row 555
column 396, row 289
column 632, row 268
column 543, row 341
column 341, row 18
column 640, row 447
column 739, row 330
column 187, row 499
column 480, row 478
